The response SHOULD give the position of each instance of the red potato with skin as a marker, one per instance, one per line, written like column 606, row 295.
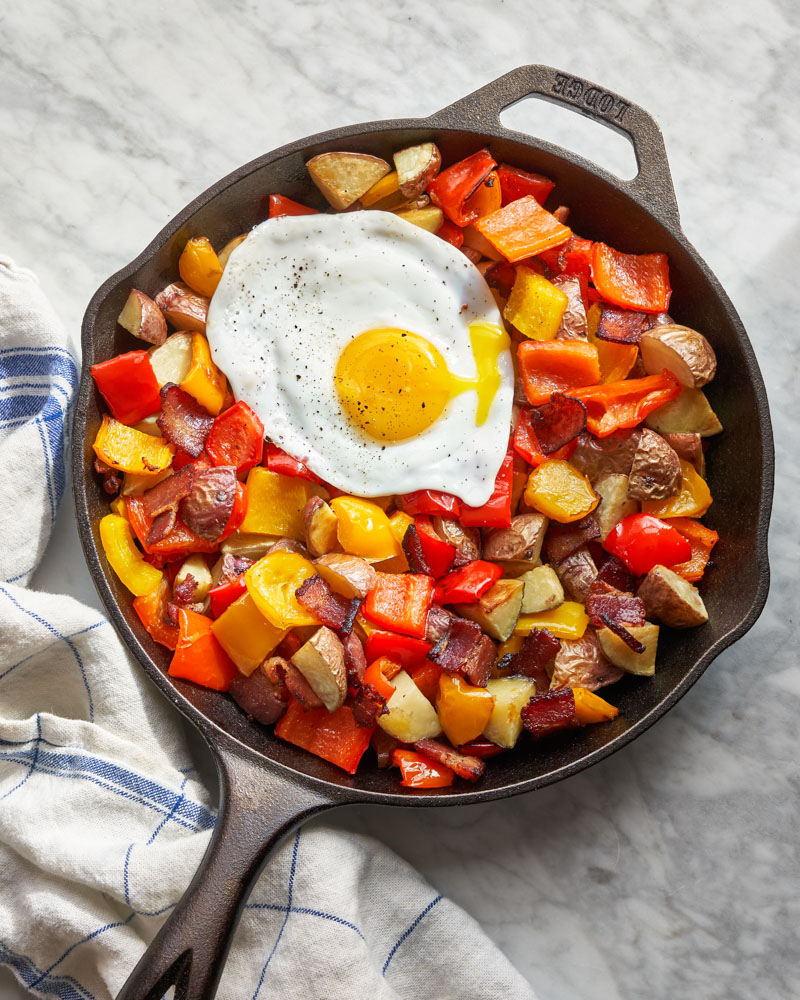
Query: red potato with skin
column 183, row 308
column 142, row 318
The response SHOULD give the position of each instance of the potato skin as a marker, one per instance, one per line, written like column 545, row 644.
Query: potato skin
column 597, row 457
column 582, row 663
column 682, row 351
column 671, row 599
column 656, row 470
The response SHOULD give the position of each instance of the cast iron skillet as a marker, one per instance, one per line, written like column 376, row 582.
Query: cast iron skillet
column 268, row 787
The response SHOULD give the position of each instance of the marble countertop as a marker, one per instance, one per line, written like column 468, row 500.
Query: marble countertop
column 673, row 868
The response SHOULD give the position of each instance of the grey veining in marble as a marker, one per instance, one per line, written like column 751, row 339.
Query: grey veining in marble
column 672, row 869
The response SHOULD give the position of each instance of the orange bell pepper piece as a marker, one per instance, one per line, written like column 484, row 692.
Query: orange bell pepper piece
column 198, row 656
column 522, row 229
column 152, row 611
column 400, row 602
column 204, row 380
column 426, row 676
column 616, row 405
column 702, row 540
column 128, row 450
column 334, row 736
column 199, row 266
column 421, row 772
column 548, row 366
column 463, row 709
column 486, row 199
column 374, row 675
column 590, row 707
column 633, row 281
column 693, row 500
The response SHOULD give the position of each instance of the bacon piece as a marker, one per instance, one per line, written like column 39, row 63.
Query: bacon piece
column 182, row 420
column 355, row 659
column 368, row 705
column 263, row 695
column 300, row 689
column 562, row 540
column 329, row 607
column 161, row 526
column 464, row 649
column 412, row 547
column 232, row 568
column 207, row 509
column 482, row 748
column 173, row 609
column 547, row 713
column 183, row 593
column 111, row 478
column 619, row 630
column 621, row 326
column 469, row 768
column 437, row 623
column 605, row 602
column 616, row 574
column 558, row 422
column 167, row 494
column 538, row 649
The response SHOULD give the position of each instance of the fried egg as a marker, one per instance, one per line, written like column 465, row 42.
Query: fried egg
column 371, row 350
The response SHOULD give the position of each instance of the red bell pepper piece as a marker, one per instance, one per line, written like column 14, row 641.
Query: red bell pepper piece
column 375, row 676
column 400, row 602
column 276, row 460
column 516, row 183
column 526, row 444
column 455, row 185
column 502, row 276
column 223, row 596
column 182, row 458
column 496, row 512
column 633, row 281
column 236, row 438
column 237, row 514
column 522, row 229
column 198, row 656
column 279, row 205
column 451, row 234
column 334, row 736
column 702, row 540
column 481, row 748
column 437, row 554
column 617, row 405
column 152, row 611
column 430, row 502
column 181, row 541
column 402, row 649
column 642, row 541
column 420, row 772
column 129, row 386
column 468, row 583
column 426, row 676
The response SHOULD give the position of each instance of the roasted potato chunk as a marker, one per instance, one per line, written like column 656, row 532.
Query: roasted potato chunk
column 621, row 654
column 183, row 308
column 228, row 249
column 141, row 317
column 350, row 576
column 497, row 611
column 344, row 177
column 510, row 694
column 321, row 662
column 430, row 218
column 542, row 590
column 172, row 360
column 689, row 413
column 411, row 716
column 656, row 470
column 582, row 663
column 672, row 600
column 598, row 457
column 614, row 502
column 682, row 351
column 320, row 524
column 577, row 574
column 518, row 548
column 416, row 167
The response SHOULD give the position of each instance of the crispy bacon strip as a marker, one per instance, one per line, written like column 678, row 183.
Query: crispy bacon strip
column 263, row 695
column 621, row 326
column 368, row 705
column 465, row 766
column 562, row 540
column 547, row 713
column 604, row 602
column 623, row 633
column 182, row 420
column 183, row 593
column 162, row 524
column 558, row 422
column 464, row 649
column 616, row 574
column 300, row 689
column 167, row 494
column 538, row 649
column 207, row 509
column 437, row 623
column 329, row 607
column 413, row 551
column 355, row 660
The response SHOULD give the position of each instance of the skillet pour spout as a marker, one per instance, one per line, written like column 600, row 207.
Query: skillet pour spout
column 267, row 786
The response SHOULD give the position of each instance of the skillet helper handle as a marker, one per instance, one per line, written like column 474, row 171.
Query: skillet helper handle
column 652, row 185
column 258, row 807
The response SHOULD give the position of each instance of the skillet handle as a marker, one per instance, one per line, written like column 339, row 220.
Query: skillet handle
column 653, row 183
column 258, row 807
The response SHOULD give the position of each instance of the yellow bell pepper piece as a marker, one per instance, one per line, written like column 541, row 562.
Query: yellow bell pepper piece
column 567, row 621
column 557, row 490
column 272, row 583
column 245, row 634
column 590, row 707
column 387, row 187
column 364, row 529
column 275, row 504
column 615, row 360
column 199, row 266
column 125, row 558
column 118, row 507
column 693, row 500
column 535, row 306
column 128, row 450
column 463, row 709
column 205, row 381
column 398, row 525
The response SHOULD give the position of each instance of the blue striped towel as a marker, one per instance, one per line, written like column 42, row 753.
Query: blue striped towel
column 103, row 818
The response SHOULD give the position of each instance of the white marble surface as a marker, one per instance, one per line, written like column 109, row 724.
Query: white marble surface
column 672, row 869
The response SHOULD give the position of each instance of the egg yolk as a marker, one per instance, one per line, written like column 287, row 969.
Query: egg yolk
column 394, row 384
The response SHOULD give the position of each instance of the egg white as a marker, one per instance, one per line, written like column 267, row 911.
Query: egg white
column 299, row 289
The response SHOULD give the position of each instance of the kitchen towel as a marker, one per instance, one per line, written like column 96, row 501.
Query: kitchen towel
column 103, row 817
